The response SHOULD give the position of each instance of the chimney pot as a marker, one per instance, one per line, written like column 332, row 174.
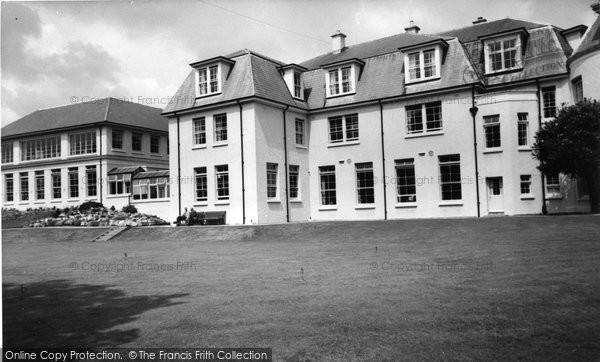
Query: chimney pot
column 338, row 42
column 480, row 20
column 412, row 29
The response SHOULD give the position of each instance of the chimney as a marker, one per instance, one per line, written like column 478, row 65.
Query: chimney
column 338, row 42
column 596, row 7
column 412, row 29
column 480, row 20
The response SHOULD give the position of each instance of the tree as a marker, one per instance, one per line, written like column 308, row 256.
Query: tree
column 570, row 144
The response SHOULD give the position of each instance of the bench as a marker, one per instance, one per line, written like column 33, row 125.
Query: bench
column 208, row 218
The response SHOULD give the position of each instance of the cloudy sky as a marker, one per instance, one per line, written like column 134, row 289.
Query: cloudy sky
column 55, row 53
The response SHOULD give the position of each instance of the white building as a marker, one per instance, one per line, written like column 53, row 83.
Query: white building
column 407, row 126
column 63, row 156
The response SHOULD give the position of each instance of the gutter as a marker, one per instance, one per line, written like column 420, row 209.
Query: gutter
column 539, row 103
column 178, row 167
column 473, row 111
column 385, row 212
column 285, row 164
column 242, row 156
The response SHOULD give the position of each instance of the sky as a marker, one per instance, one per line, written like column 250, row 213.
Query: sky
column 58, row 53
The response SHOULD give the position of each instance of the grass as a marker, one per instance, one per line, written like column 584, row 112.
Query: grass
column 494, row 288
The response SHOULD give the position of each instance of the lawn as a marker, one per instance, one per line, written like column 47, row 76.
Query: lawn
column 453, row 289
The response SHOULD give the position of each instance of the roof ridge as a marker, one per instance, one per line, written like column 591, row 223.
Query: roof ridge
column 489, row 22
column 252, row 76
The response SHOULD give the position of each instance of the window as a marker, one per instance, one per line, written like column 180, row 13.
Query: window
column 199, row 131
column 502, row 54
column 208, row 80
column 525, row 185
column 365, row 183
column 422, row 65
column 294, row 182
column 491, row 125
column 582, row 188
column 82, row 143
column 222, row 177
column 39, row 185
column 56, row 183
column 73, row 182
column 117, row 139
column 201, row 179
column 92, row 187
column 341, row 81
column 136, row 141
column 549, row 100
column 150, row 188
column 578, row 90
column 523, row 129
column 553, row 184
column 297, row 85
column 7, row 152
column 41, row 148
column 119, row 184
column 327, row 178
column 405, row 180
column 220, row 127
column 154, row 144
column 450, row 180
column 9, row 187
column 337, row 126
column 271, row 180
column 24, row 181
column 414, row 117
column 300, row 131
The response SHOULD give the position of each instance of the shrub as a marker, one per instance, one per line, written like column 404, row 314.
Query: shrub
column 130, row 209
column 50, row 222
column 76, row 222
column 93, row 223
column 56, row 213
column 86, row 206
column 112, row 208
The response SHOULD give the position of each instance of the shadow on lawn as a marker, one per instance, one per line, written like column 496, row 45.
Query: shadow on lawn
column 60, row 313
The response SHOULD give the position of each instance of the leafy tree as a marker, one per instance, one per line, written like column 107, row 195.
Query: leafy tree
column 570, row 144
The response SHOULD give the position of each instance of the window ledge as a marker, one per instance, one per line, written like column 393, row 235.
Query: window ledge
column 117, row 196
column 364, row 207
column 199, row 147
column 137, row 152
column 156, row 154
column 492, row 150
column 200, row 204
column 296, row 201
column 23, row 203
column 119, row 150
column 220, row 144
column 328, row 208
column 145, row 201
column 554, row 197
column 331, row 96
column 72, row 200
column 503, row 71
column 422, row 80
column 299, row 99
column 302, row 147
column 208, row 95
column 9, row 204
column 341, row 144
column 451, row 203
column 525, row 149
column 55, row 201
column 273, row 201
column 405, row 205
column 39, row 202
column 424, row 134
column 222, row 202
column 527, row 197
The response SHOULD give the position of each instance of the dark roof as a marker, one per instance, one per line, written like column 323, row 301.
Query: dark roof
column 473, row 32
column 152, row 174
column 369, row 49
column 590, row 41
column 81, row 114
column 251, row 75
column 126, row 169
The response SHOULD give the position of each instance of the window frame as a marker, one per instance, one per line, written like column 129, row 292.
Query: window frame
column 91, row 177
column 491, row 123
column 297, row 80
column 294, row 182
column 272, row 181
column 40, row 187
column 220, row 133
column 502, row 52
column 406, row 186
column 578, row 90
column 134, row 142
column 523, row 129
column 155, row 146
column 416, row 68
column 56, row 174
column 7, row 152
column 327, row 195
column 119, row 145
column 73, row 178
column 338, row 78
column 300, row 133
column 525, row 185
column 205, row 80
column 9, row 187
column 199, row 131
column 549, row 109
column 223, row 172
column 124, row 180
column 82, row 143
column 201, row 183
column 41, row 148
column 553, row 185
column 450, row 162
column 365, row 183
column 345, row 130
column 24, row 186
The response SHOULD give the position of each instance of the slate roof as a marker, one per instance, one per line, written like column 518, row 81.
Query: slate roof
column 251, row 75
column 151, row 174
column 126, row 169
column 88, row 113
column 473, row 32
column 590, row 41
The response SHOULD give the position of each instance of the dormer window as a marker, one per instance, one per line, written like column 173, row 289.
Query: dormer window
column 504, row 51
column 297, row 85
column 292, row 76
column 341, row 78
column 422, row 62
column 211, row 74
column 208, row 80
